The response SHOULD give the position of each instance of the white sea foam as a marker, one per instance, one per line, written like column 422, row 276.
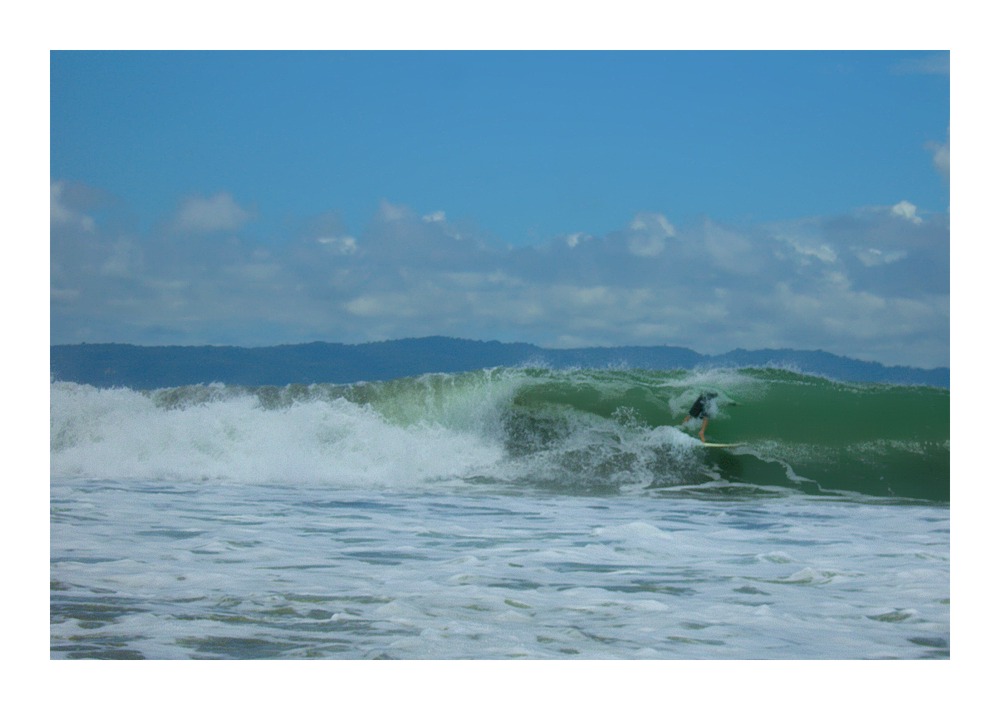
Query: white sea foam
column 119, row 433
column 186, row 570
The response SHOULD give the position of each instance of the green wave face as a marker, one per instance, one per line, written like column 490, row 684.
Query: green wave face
column 601, row 429
column 795, row 430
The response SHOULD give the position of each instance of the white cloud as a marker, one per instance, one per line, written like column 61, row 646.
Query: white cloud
column 907, row 211
column 204, row 215
column 649, row 233
column 366, row 306
column 730, row 250
column 647, row 245
column 389, row 212
column 809, row 249
column 339, row 245
column 942, row 158
column 587, row 298
column 710, row 287
column 61, row 214
column 652, row 222
column 482, row 280
column 394, row 305
column 877, row 257
column 125, row 259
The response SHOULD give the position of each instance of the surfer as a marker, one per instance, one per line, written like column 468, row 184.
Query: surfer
column 699, row 411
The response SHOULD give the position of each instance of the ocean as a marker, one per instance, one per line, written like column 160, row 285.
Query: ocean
column 507, row 513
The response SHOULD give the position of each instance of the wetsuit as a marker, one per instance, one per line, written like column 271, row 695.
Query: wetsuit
column 697, row 410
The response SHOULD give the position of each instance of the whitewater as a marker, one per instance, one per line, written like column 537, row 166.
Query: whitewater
column 510, row 513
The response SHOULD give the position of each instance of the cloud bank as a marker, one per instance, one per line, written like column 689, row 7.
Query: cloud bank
column 871, row 284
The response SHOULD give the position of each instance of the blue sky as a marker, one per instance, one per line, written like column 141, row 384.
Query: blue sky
column 713, row 200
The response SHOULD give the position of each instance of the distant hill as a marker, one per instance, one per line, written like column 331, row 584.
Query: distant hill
column 151, row 367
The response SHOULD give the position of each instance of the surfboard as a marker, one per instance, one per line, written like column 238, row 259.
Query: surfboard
column 709, row 444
